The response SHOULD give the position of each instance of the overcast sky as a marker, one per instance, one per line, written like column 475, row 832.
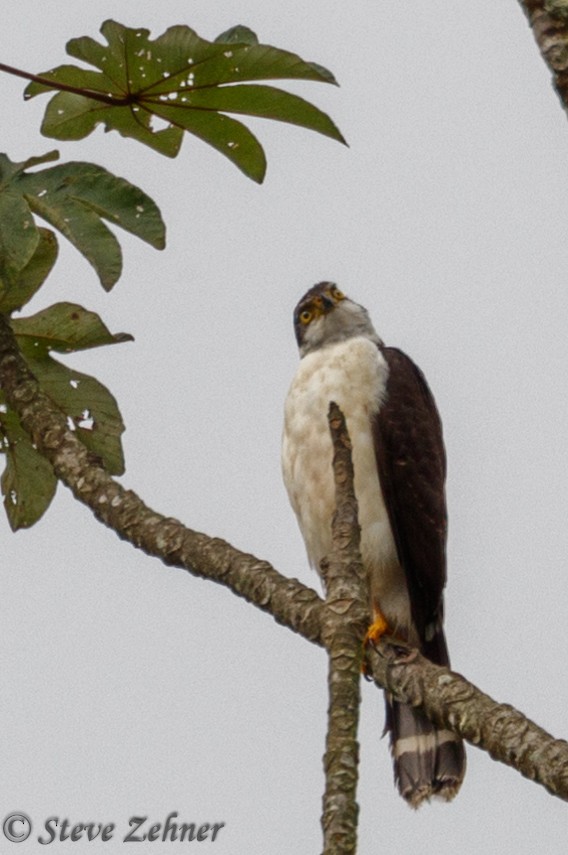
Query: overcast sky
column 133, row 689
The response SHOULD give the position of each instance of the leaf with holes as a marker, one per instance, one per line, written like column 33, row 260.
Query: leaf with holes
column 28, row 483
column 89, row 406
column 91, row 410
column 183, row 81
column 75, row 198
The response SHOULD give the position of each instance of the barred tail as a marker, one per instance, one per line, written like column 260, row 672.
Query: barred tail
column 427, row 761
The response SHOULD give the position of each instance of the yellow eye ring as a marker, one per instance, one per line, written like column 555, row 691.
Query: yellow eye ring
column 337, row 294
column 306, row 316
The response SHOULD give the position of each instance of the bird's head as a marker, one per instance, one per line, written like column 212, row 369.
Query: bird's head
column 325, row 315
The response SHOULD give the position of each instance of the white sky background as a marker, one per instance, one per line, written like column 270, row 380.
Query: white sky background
column 131, row 688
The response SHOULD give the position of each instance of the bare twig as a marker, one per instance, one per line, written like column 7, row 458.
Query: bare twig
column 344, row 626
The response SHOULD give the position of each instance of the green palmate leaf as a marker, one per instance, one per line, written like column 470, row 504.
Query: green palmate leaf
column 17, row 287
column 28, row 483
column 74, row 198
column 178, row 77
column 91, row 409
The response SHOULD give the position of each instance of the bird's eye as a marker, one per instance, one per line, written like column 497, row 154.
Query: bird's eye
column 337, row 294
column 306, row 316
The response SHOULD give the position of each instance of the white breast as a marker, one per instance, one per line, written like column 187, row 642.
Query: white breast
column 354, row 374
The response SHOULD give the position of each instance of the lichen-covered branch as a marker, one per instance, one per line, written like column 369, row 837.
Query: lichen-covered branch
column 451, row 701
column 342, row 632
column 549, row 22
column 287, row 600
column 447, row 698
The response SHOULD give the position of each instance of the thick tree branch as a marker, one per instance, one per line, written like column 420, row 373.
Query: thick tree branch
column 447, row 697
column 342, row 632
column 549, row 22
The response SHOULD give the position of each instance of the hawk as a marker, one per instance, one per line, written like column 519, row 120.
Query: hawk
column 399, row 474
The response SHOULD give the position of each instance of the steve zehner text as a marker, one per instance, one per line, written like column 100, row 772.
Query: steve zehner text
column 139, row 830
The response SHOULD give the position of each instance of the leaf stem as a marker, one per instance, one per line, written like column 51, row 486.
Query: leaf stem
column 65, row 87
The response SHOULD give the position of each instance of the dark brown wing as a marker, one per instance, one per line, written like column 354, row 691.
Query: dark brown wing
column 412, row 465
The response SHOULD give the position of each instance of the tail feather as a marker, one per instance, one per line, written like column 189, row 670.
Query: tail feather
column 427, row 760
